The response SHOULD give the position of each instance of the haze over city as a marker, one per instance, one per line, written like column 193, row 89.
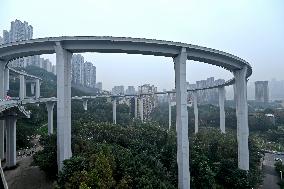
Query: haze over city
column 252, row 30
column 141, row 94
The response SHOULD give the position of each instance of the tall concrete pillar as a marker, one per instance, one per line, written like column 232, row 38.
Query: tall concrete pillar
column 114, row 111
column 135, row 107
column 2, row 96
column 49, row 107
column 11, row 141
column 22, row 87
column 32, row 88
column 6, row 80
column 195, row 108
column 222, row 108
column 141, row 109
column 63, row 69
column 85, row 104
column 25, row 91
column 2, row 137
column 170, row 110
column 37, row 84
column 182, row 120
column 242, row 118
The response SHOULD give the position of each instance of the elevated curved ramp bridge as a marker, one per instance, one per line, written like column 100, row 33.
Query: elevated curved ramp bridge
column 180, row 52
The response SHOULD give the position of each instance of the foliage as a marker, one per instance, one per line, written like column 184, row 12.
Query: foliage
column 46, row 159
column 27, row 128
column 123, row 157
column 214, row 156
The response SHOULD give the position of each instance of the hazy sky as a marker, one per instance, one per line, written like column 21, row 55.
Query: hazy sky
column 250, row 29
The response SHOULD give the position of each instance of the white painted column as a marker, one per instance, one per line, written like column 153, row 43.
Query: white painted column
column 170, row 110
column 221, row 91
column 182, row 121
column 141, row 109
column 2, row 137
column 37, row 84
column 22, row 87
column 6, row 82
column 242, row 118
column 114, row 111
column 25, row 89
column 85, row 104
column 49, row 107
column 2, row 96
column 195, row 108
column 11, row 141
column 135, row 107
column 63, row 69
column 32, row 88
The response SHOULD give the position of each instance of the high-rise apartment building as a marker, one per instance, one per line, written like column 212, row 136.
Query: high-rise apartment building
column 20, row 31
column 47, row 65
column 99, row 86
column 77, row 70
column 149, row 101
column 82, row 73
column 54, row 69
column 261, row 91
column 1, row 40
column 118, row 90
column 89, row 75
column 209, row 95
column 130, row 90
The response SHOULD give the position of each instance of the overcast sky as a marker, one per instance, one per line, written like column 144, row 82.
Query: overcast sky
column 250, row 29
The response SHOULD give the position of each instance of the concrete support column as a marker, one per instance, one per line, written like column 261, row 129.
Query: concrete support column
column 114, row 111
column 22, row 87
column 2, row 96
column 25, row 91
column 2, row 137
column 195, row 107
column 141, row 109
column 63, row 69
column 11, row 141
column 37, row 84
column 49, row 107
column 32, row 88
column 6, row 80
column 170, row 111
column 135, row 107
column 222, row 108
column 182, row 120
column 242, row 118
column 85, row 104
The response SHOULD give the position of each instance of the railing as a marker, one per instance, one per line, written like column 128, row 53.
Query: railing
column 3, row 182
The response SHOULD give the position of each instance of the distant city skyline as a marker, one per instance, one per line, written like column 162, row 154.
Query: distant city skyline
column 252, row 30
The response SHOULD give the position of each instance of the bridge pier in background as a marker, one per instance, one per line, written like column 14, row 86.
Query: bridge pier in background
column 32, row 88
column 182, row 120
column 240, row 91
column 170, row 110
column 6, row 80
column 2, row 96
column 85, row 104
column 49, row 107
column 63, row 68
column 141, row 109
column 11, row 140
column 135, row 107
column 22, row 87
column 222, row 92
column 114, row 111
column 37, row 92
column 195, row 108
